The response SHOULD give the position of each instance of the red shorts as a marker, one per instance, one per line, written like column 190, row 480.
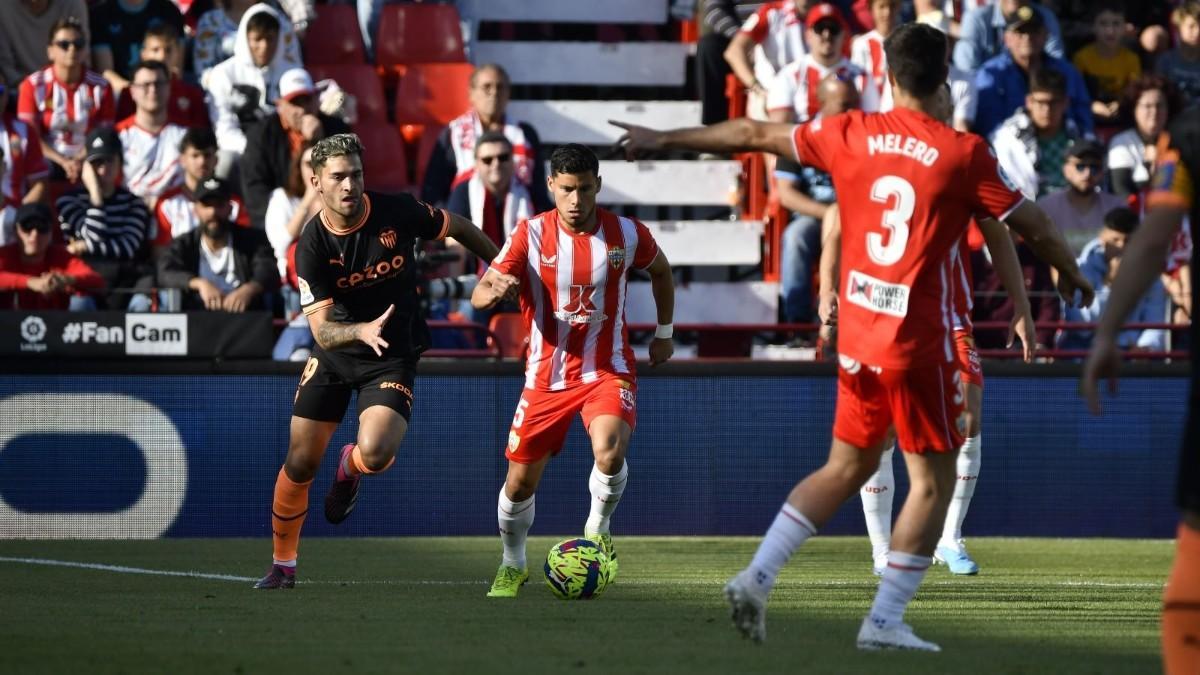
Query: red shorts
column 543, row 418
column 924, row 404
column 967, row 358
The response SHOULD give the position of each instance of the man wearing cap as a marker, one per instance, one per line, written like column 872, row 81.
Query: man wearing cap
column 274, row 142
column 1079, row 209
column 1002, row 80
column 792, row 97
column 222, row 266
column 38, row 274
column 983, row 28
column 107, row 224
column 774, row 35
column 149, row 142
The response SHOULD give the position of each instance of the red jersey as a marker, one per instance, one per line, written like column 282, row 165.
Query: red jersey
column 65, row 114
column 573, row 295
column 964, row 289
column 174, row 215
column 15, row 274
column 909, row 186
column 185, row 105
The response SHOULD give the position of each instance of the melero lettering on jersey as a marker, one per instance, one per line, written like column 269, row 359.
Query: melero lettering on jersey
column 895, row 144
column 877, row 295
column 372, row 274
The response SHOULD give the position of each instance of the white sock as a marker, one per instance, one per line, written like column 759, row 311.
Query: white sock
column 969, row 459
column 877, row 494
column 515, row 519
column 606, row 494
column 285, row 563
column 900, row 581
column 789, row 531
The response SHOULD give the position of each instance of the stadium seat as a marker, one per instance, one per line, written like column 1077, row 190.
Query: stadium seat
column 432, row 93
column 421, row 33
column 426, row 141
column 510, row 335
column 335, row 37
column 361, row 81
column 383, row 158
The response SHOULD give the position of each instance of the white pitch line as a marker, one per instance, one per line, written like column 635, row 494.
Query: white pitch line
column 832, row 583
column 125, row 570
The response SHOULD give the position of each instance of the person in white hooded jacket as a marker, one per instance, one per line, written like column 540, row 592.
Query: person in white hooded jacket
column 244, row 87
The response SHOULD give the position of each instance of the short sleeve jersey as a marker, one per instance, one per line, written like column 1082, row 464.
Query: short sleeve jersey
column 360, row 270
column 915, row 184
column 573, row 295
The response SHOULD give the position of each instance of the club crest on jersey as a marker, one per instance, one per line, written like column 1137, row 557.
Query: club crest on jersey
column 306, row 296
column 388, row 238
column 616, row 257
column 877, row 295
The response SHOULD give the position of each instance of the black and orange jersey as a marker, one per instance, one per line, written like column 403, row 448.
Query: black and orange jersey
column 360, row 270
column 1173, row 186
column 1178, row 165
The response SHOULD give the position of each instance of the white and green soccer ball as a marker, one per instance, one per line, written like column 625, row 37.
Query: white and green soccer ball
column 577, row 569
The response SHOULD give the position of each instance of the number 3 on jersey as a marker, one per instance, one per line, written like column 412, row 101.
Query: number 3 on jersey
column 895, row 219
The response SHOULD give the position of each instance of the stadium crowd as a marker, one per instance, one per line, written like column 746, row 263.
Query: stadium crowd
column 151, row 145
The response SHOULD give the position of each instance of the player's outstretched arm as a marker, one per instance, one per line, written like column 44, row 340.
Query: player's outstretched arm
column 1008, row 268
column 493, row 288
column 1141, row 263
column 333, row 335
column 740, row 135
column 662, row 286
column 1032, row 223
column 827, row 275
column 472, row 237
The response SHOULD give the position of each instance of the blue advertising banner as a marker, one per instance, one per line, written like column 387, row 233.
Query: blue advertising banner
column 117, row 456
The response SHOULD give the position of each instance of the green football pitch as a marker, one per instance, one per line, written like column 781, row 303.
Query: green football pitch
column 417, row 605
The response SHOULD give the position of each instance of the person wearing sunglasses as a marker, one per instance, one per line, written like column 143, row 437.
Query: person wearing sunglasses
column 792, row 96
column 1079, row 209
column 64, row 101
column 23, row 33
column 36, row 273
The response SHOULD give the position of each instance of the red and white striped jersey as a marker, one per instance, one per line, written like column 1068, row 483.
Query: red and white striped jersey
column 866, row 52
column 174, row 215
column 779, row 33
column 65, row 114
column 151, row 161
column 23, row 161
column 795, row 88
column 573, row 295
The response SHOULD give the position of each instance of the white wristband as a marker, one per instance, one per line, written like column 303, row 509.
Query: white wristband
column 664, row 331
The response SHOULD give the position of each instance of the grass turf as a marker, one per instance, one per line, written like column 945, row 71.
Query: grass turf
column 417, row 605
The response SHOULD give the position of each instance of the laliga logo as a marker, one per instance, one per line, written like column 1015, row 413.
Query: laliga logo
column 151, row 431
column 33, row 329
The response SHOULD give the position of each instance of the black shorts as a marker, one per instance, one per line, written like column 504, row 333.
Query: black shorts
column 1189, row 457
column 328, row 380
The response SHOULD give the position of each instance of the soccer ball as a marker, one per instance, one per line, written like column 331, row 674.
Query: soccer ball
column 577, row 569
